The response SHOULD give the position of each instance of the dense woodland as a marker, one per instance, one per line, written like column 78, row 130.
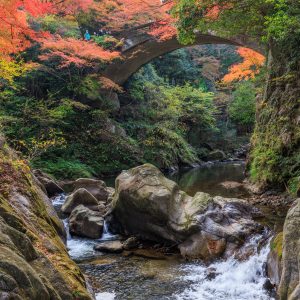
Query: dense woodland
column 180, row 183
column 173, row 112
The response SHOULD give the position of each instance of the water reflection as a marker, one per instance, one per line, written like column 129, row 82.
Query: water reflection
column 208, row 179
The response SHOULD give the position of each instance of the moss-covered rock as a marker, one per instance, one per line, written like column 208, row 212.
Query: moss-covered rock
column 274, row 261
column 289, row 287
column 34, row 263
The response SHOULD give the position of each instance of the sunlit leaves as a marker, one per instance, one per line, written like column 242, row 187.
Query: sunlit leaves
column 252, row 62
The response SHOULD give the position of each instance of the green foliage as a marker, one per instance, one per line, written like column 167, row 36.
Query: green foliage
column 61, row 168
column 165, row 148
column 106, row 41
column 162, row 115
column 294, row 185
column 242, row 107
column 66, row 27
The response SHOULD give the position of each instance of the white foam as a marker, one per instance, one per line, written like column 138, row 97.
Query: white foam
column 235, row 280
column 81, row 248
column 105, row 296
column 59, row 200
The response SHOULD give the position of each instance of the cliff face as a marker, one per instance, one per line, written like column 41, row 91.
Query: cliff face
column 275, row 157
column 34, row 263
column 289, row 287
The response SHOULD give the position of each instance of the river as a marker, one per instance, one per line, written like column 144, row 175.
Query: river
column 120, row 278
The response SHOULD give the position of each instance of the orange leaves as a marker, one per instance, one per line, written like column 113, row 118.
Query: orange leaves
column 36, row 8
column 77, row 52
column 109, row 85
column 15, row 32
column 252, row 61
column 213, row 13
column 71, row 7
column 163, row 30
column 124, row 14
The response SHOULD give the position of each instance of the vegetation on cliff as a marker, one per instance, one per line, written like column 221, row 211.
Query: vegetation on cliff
column 275, row 24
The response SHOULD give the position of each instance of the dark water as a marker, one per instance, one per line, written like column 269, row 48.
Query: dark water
column 208, row 179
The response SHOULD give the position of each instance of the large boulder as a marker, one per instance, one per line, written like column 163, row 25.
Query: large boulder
column 85, row 222
column 80, row 197
column 47, row 184
column 97, row 188
column 289, row 287
column 150, row 206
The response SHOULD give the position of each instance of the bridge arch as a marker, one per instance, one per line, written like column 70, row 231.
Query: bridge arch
column 139, row 51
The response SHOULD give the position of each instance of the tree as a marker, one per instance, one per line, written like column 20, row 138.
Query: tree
column 71, row 51
column 252, row 62
column 242, row 107
column 276, row 25
column 137, row 14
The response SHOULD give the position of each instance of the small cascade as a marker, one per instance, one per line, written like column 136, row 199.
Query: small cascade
column 107, row 236
column 231, row 279
column 80, row 248
column 67, row 229
column 58, row 201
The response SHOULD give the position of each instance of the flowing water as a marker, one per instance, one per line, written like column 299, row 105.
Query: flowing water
column 120, row 278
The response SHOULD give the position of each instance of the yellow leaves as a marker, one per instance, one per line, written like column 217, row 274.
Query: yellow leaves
column 10, row 69
column 37, row 146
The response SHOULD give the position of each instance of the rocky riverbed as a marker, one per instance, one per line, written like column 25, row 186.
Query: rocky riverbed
column 226, row 241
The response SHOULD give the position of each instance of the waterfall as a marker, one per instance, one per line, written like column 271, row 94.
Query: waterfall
column 78, row 247
column 107, row 236
column 233, row 279
column 67, row 229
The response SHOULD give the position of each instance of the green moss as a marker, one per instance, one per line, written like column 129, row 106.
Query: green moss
column 277, row 244
column 294, row 185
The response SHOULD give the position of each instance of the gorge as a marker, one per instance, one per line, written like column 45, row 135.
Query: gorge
column 149, row 149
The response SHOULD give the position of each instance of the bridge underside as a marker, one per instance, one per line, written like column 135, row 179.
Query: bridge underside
column 139, row 54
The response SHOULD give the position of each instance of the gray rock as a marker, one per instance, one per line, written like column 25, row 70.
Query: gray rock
column 85, row 222
column 289, row 287
column 50, row 186
column 80, row 197
column 110, row 247
column 131, row 243
column 216, row 155
column 95, row 187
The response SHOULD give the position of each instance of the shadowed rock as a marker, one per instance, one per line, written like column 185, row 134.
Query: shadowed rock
column 85, row 222
column 47, row 184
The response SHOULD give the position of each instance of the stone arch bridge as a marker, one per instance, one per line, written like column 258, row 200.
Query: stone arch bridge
column 141, row 48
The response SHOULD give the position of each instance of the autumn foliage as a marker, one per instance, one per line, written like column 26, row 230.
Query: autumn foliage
column 152, row 16
column 16, row 33
column 252, row 62
column 121, row 15
column 77, row 52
